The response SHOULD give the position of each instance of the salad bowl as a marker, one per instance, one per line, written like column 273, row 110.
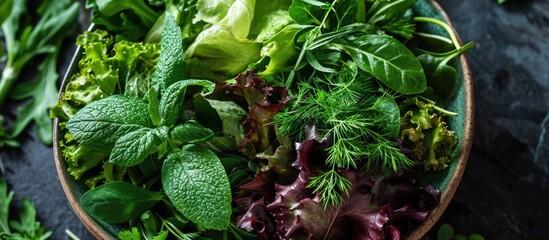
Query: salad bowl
column 447, row 180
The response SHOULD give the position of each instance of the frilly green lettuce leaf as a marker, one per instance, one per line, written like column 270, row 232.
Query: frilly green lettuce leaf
column 426, row 134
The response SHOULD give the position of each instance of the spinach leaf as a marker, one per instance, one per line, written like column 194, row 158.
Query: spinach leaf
column 383, row 11
column 196, row 183
column 441, row 77
column 191, row 132
column 118, row 202
column 102, row 123
column 171, row 66
column 388, row 60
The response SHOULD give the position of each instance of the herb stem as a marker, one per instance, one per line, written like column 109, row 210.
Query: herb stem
column 441, row 110
column 443, row 25
column 314, row 32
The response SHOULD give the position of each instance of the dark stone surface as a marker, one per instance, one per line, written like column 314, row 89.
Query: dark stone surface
column 504, row 192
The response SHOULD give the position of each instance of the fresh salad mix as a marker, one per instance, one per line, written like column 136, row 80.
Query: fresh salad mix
column 243, row 119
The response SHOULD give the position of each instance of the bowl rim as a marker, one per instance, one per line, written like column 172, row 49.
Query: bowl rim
column 417, row 233
column 468, row 129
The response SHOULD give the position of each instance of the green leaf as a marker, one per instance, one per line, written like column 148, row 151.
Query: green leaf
column 197, row 185
column 231, row 116
column 131, row 234
column 112, row 7
column 191, row 132
column 280, row 48
column 391, row 115
column 134, row 147
column 441, row 77
column 383, row 11
column 171, row 67
column 5, row 200
column 153, row 107
column 212, row 11
column 475, row 237
column 445, row 232
column 118, row 202
column 27, row 226
column 101, row 123
column 307, row 12
column 171, row 104
column 389, row 61
column 5, row 9
column 43, row 93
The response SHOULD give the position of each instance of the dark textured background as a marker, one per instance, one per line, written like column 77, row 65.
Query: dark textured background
column 504, row 193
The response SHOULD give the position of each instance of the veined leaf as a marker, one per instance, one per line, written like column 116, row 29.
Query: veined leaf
column 191, row 132
column 171, row 66
column 102, row 122
column 171, row 104
column 196, row 183
column 134, row 147
column 389, row 61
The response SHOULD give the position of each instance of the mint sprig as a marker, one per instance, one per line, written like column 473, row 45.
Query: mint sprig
column 131, row 129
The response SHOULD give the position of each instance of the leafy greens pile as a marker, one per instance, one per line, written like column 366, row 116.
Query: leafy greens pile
column 330, row 110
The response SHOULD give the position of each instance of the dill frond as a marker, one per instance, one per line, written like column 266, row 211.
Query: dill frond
column 330, row 185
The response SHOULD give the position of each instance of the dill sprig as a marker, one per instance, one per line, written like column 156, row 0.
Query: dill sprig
column 351, row 108
column 330, row 184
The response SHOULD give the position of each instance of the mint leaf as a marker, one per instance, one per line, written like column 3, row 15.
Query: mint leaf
column 171, row 104
column 118, row 202
column 102, row 122
column 134, row 147
column 196, row 183
column 154, row 113
column 191, row 132
column 171, row 66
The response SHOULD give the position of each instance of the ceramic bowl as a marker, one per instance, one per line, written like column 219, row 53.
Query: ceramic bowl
column 447, row 181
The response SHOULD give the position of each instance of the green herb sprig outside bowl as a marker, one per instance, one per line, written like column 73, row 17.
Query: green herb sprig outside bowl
column 160, row 127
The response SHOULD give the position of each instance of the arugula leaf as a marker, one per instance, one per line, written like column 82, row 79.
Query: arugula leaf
column 101, row 123
column 171, row 66
column 134, row 147
column 5, row 198
column 24, row 45
column 6, row 140
column 27, row 227
column 118, row 202
column 43, row 92
column 389, row 61
column 196, row 183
